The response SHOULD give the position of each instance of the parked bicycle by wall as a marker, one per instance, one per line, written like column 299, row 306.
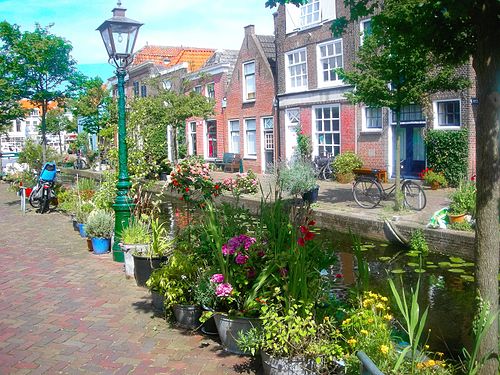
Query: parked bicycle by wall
column 323, row 167
column 43, row 195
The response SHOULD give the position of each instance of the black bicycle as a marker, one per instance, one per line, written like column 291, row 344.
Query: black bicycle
column 368, row 192
column 323, row 167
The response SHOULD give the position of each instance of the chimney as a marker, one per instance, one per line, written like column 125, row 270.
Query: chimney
column 249, row 30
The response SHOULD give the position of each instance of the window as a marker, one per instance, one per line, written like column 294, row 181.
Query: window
column 309, row 13
column 330, row 58
column 250, row 137
column 197, row 89
column 18, row 126
column 249, row 83
column 372, row 119
column 234, row 136
column 268, row 126
column 192, row 138
column 212, row 138
column 448, row 113
column 211, row 90
column 365, row 29
column 144, row 91
column 296, row 70
column 410, row 113
column 327, row 130
column 136, row 88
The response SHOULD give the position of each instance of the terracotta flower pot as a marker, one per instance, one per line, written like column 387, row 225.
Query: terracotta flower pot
column 456, row 218
column 434, row 185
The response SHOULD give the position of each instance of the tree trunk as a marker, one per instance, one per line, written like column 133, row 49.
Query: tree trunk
column 486, row 63
column 397, row 164
column 60, row 143
column 44, row 131
column 174, row 144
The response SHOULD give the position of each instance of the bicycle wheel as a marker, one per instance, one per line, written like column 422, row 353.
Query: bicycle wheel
column 326, row 172
column 367, row 192
column 414, row 196
column 33, row 199
column 44, row 201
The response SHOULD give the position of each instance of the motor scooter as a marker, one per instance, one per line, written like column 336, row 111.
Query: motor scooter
column 43, row 195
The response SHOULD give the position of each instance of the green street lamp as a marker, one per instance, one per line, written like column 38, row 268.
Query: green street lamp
column 119, row 34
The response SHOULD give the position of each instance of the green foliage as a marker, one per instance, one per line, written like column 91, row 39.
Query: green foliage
column 297, row 177
column 304, row 146
column 461, row 225
column 92, row 105
column 160, row 244
column 447, row 152
column 176, row 280
column 136, row 233
column 430, row 177
column 32, row 154
column 418, row 244
column 345, row 162
column 82, row 211
column 463, row 199
column 105, row 195
column 68, row 201
column 100, row 223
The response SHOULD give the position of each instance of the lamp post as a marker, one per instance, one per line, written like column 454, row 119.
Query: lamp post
column 119, row 34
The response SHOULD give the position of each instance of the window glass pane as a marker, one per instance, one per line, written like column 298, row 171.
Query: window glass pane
column 330, row 59
column 327, row 130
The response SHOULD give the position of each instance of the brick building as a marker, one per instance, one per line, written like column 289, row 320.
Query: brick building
column 250, row 129
column 207, row 137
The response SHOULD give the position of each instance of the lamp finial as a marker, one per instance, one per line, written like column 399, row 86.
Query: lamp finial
column 119, row 3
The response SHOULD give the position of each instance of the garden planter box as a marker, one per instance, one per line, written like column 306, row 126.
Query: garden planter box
column 128, row 250
column 143, row 266
column 229, row 329
column 101, row 245
column 187, row 316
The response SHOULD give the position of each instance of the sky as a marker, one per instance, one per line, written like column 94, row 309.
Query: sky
column 214, row 24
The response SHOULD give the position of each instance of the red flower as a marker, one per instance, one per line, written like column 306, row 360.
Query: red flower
column 309, row 236
column 301, row 242
column 339, row 276
column 187, row 190
column 311, row 223
column 217, row 187
column 304, row 229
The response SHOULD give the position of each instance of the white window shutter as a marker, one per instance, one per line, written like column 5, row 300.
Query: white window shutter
column 327, row 9
column 292, row 18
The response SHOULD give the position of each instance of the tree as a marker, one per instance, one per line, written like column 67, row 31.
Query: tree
column 57, row 122
column 456, row 31
column 390, row 73
column 40, row 66
column 91, row 105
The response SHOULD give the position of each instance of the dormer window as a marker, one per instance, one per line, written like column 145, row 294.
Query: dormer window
column 310, row 13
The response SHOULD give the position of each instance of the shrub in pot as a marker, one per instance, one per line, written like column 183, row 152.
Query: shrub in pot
column 135, row 238
column 81, row 215
column 463, row 201
column 433, row 179
column 297, row 178
column 343, row 164
column 154, row 255
column 176, row 282
column 100, row 227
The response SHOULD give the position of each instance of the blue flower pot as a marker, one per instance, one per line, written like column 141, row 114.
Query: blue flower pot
column 81, row 229
column 101, row 245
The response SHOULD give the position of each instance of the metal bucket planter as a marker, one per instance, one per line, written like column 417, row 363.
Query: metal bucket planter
column 209, row 327
column 187, row 316
column 128, row 250
column 157, row 300
column 229, row 329
column 143, row 266
column 311, row 196
column 101, row 245
column 367, row 365
column 286, row 366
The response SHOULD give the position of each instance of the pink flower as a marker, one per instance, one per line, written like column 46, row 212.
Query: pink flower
column 223, row 290
column 226, row 250
column 241, row 259
column 217, row 278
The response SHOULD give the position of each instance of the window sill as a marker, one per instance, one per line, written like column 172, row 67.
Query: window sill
column 250, row 157
column 248, row 101
column 443, row 127
column 371, row 131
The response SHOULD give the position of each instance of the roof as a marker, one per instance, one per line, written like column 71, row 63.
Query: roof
column 27, row 104
column 222, row 56
column 268, row 46
column 167, row 56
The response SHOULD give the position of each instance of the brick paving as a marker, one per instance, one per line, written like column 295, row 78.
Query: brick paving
column 64, row 310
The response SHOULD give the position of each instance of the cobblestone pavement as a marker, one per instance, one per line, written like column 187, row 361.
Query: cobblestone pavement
column 64, row 310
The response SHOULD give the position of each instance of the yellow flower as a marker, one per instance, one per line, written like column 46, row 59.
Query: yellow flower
column 352, row 341
column 370, row 320
column 430, row 363
column 347, row 321
column 439, row 354
column 384, row 349
column 364, row 332
column 426, row 347
column 384, row 299
column 380, row 306
column 420, row 365
column 388, row 317
column 326, row 318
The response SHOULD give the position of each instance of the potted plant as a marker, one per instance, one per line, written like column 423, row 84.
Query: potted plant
column 81, row 215
column 175, row 281
column 135, row 238
column 146, row 260
column 100, row 227
column 463, row 202
column 433, row 179
column 343, row 164
column 298, row 178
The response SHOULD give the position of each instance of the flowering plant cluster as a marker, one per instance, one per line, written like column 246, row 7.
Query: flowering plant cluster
column 242, row 259
column 431, row 177
column 244, row 183
column 191, row 178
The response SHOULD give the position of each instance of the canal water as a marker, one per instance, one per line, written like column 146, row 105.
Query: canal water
column 446, row 282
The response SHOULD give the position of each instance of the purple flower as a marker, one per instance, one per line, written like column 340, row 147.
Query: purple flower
column 223, row 290
column 217, row 278
column 261, row 253
column 241, row 259
column 283, row 272
column 226, row 250
column 237, row 242
column 251, row 273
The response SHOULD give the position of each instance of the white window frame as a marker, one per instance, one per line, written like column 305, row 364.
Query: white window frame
column 337, row 81
column 295, row 65
column 392, row 118
column 208, row 93
column 230, row 133
column 310, row 14
column 315, row 130
column 191, row 125
column 246, row 132
column 364, row 121
column 435, row 106
column 362, row 30
column 249, row 96
column 198, row 89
